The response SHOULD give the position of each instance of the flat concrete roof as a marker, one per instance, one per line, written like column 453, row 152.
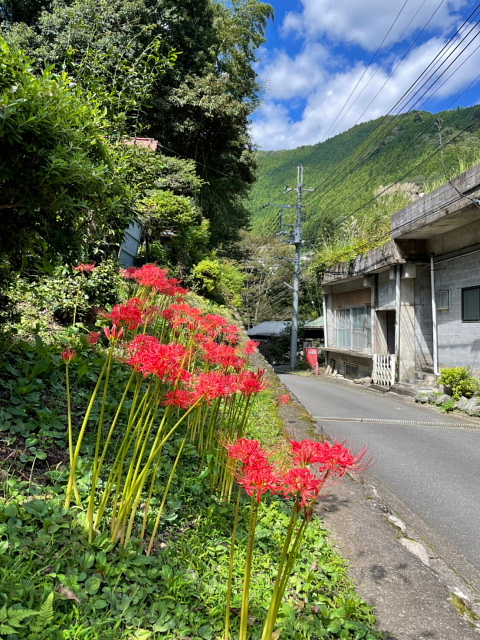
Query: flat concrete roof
column 448, row 207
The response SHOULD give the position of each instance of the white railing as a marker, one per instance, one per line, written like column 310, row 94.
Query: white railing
column 383, row 369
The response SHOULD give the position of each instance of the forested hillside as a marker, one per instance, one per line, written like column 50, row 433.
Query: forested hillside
column 353, row 173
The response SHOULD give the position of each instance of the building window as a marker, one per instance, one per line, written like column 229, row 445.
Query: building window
column 353, row 328
column 471, row 304
column 442, row 300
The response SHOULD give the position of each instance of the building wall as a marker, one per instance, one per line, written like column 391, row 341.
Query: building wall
column 455, row 239
column 386, row 290
column 423, row 320
column 458, row 342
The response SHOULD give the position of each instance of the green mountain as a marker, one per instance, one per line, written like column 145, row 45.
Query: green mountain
column 351, row 172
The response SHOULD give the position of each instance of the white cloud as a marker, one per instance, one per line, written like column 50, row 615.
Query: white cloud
column 325, row 92
column 288, row 77
column 366, row 23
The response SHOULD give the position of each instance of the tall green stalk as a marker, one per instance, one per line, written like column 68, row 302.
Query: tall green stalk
column 76, row 452
column 248, row 569
column 289, row 555
column 230, row 565
column 70, row 430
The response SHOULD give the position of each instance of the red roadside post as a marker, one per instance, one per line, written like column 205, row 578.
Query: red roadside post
column 311, row 354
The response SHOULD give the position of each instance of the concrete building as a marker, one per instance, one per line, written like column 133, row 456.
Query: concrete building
column 411, row 306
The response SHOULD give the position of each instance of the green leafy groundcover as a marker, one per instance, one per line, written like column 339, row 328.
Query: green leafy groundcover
column 54, row 585
column 103, row 591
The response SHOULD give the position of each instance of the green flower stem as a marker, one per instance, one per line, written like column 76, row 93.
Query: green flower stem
column 95, row 470
column 100, row 460
column 248, row 569
column 230, row 565
column 269, row 623
column 284, row 571
column 117, row 467
column 70, row 431
column 137, row 488
column 76, row 453
column 137, row 456
column 165, row 496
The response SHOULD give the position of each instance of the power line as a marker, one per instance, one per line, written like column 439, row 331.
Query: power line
column 376, row 70
column 381, row 128
column 365, row 204
column 338, row 179
column 366, row 69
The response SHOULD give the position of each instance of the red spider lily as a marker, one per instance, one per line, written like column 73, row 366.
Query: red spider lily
column 231, row 334
column 244, row 449
column 183, row 315
column 114, row 334
column 93, row 337
column 151, row 275
column 301, row 482
column 258, row 476
column 251, row 382
column 250, row 347
column 339, row 460
column 309, row 452
column 213, row 384
column 149, row 356
column 68, row 355
column 128, row 273
column 213, row 324
column 180, row 398
column 85, row 268
column 132, row 314
column 224, row 355
column 285, row 399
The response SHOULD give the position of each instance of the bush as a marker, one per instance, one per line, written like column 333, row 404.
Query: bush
column 219, row 280
column 461, row 382
column 65, row 294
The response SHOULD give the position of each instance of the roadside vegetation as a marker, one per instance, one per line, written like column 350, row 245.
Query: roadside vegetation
column 117, row 499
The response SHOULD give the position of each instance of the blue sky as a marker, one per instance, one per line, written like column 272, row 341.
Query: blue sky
column 330, row 64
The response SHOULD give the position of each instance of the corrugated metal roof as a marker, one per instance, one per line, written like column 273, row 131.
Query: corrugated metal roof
column 318, row 323
column 270, row 329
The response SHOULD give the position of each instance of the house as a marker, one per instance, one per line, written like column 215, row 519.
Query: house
column 411, row 306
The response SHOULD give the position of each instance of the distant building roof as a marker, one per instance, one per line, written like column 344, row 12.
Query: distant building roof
column 318, row 323
column 270, row 329
column 148, row 143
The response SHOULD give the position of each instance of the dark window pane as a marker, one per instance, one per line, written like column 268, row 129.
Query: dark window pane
column 471, row 304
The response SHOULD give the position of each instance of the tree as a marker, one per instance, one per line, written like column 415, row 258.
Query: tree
column 61, row 184
column 174, row 230
column 198, row 107
column 26, row 11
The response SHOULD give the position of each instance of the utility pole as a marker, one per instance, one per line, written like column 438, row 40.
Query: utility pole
column 296, row 240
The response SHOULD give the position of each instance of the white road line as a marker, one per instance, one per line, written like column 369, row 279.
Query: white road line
column 400, row 422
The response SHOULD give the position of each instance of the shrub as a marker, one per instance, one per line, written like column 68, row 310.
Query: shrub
column 65, row 294
column 461, row 382
column 219, row 280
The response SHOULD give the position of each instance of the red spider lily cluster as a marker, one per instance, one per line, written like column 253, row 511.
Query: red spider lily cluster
column 285, row 399
column 85, row 268
column 131, row 314
column 188, row 370
column 152, row 276
column 258, row 475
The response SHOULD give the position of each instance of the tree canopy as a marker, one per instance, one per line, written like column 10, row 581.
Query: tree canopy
column 180, row 71
column 60, row 182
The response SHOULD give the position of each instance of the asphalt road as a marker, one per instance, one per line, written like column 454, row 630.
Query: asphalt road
column 433, row 469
